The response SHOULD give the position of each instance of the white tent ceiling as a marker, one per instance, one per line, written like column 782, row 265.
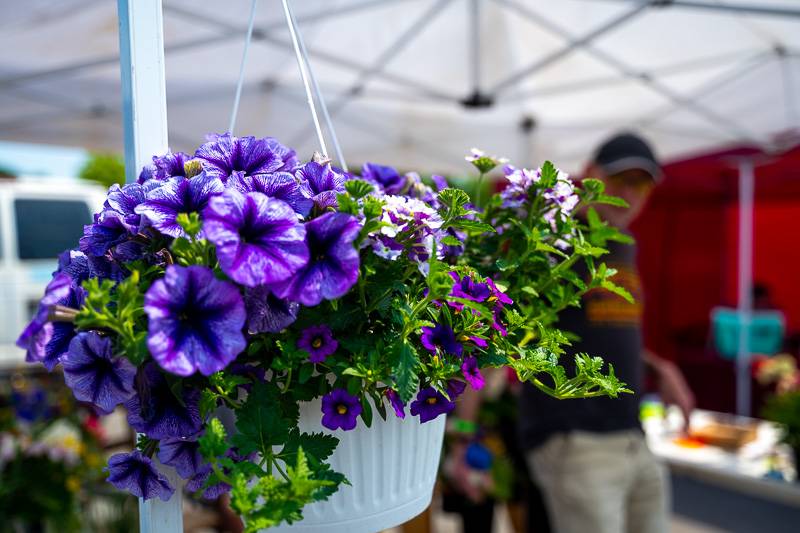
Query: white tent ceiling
column 688, row 74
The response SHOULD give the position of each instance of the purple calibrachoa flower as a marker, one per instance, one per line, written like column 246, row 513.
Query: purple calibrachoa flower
column 45, row 341
column 334, row 263
column 137, row 474
column 441, row 336
column 259, row 239
column 429, row 404
column 455, row 388
column 95, row 375
column 175, row 196
column 280, row 185
column 224, row 156
column 195, row 321
column 397, row 404
column 165, row 166
column 160, row 412
column 318, row 342
column 266, row 313
column 472, row 373
column 468, row 289
column 321, row 183
column 387, row 178
column 181, row 454
column 340, row 410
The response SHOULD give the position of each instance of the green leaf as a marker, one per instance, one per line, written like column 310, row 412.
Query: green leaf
column 306, row 371
column 358, row 188
column 472, row 226
column 449, row 240
column 549, row 175
column 213, row 442
column 262, row 421
column 318, row 446
column 616, row 289
column 611, row 200
column 190, row 222
column 404, row 369
column 366, row 411
column 593, row 186
column 208, row 402
column 454, row 199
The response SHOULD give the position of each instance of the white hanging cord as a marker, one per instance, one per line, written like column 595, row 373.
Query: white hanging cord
column 240, row 83
column 304, row 75
column 318, row 94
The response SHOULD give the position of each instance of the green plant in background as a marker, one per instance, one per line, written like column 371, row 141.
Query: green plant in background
column 784, row 406
column 105, row 169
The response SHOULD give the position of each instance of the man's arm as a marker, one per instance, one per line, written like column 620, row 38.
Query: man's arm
column 671, row 384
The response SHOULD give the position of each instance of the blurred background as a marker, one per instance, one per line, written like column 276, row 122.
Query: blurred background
column 714, row 86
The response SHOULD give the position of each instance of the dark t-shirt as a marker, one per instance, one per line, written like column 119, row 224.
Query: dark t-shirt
column 609, row 327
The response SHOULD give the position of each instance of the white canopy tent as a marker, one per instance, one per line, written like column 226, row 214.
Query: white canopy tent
column 410, row 82
column 416, row 83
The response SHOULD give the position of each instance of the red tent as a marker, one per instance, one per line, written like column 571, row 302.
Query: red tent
column 688, row 246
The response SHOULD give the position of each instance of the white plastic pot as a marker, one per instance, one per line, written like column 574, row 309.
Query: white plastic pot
column 391, row 467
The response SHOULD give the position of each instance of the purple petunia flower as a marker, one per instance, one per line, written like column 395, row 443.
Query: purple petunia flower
column 280, row 185
column 340, row 410
column 123, row 200
column 108, row 230
column 45, row 341
column 195, row 321
column 181, row 454
column 224, row 156
column 318, row 342
column 334, row 263
column 472, row 373
column 160, row 412
column 397, row 404
column 164, row 167
column 75, row 264
column 441, row 336
column 266, row 313
column 259, row 239
column 429, row 404
column 178, row 195
column 95, row 375
column 321, row 184
column 137, row 474
column 387, row 178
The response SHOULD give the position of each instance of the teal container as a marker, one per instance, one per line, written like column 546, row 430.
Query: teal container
column 765, row 333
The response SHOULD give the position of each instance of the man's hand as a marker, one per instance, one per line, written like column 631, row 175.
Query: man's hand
column 672, row 385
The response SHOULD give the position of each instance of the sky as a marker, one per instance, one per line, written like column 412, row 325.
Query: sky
column 41, row 160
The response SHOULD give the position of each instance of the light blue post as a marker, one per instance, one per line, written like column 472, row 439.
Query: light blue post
column 144, row 113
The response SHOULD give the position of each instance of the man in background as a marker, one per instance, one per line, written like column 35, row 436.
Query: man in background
column 589, row 457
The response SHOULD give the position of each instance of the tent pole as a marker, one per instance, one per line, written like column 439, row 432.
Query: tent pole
column 144, row 119
column 752, row 9
column 745, row 289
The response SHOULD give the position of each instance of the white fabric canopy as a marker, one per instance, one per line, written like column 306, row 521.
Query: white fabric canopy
column 690, row 75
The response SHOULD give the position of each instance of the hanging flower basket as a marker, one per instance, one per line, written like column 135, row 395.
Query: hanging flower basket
column 391, row 466
column 338, row 316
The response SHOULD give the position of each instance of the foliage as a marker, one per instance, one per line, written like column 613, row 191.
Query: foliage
column 105, row 169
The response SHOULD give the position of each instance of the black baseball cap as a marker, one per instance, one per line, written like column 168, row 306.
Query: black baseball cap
column 626, row 151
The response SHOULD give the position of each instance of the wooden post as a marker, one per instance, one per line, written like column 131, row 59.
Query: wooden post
column 144, row 113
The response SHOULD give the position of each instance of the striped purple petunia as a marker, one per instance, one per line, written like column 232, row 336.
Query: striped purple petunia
column 259, row 239
column 195, row 321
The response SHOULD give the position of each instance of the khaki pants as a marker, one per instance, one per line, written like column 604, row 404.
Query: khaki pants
column 601, row 483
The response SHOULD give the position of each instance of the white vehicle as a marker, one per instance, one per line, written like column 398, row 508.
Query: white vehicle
column 38, row 221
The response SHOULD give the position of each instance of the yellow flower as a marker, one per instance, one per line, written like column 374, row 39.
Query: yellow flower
column 73, row 484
